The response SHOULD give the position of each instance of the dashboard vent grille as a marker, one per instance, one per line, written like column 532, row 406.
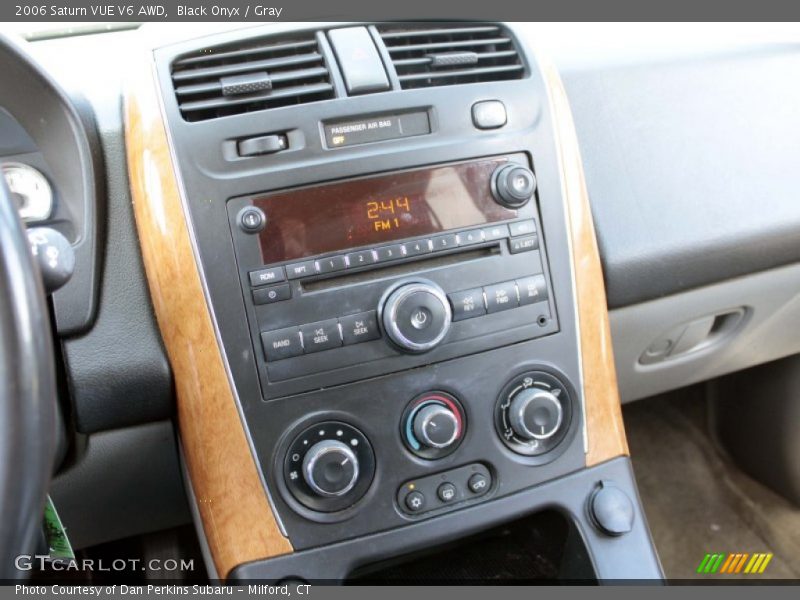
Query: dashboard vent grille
column 238, row 78
column 425, row 56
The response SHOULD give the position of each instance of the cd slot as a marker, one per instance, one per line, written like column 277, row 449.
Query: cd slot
column 400, row 269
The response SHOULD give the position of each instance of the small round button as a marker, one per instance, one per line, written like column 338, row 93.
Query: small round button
column 330, row 468
column 478, row 483
column 436, row 426
column 446, row 492
column 416, row 316
column 513, row 185
column 415, row 501
column 252, row 219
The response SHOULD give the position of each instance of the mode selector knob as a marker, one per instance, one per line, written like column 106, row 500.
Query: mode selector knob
column 513, row 185
column 330, row 468
column 416, row 316
column 436, row 426
column 535, row 414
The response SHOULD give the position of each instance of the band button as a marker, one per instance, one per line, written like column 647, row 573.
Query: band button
column 282, row 343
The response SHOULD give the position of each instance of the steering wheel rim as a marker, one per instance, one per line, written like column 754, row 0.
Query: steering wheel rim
column 27, row 393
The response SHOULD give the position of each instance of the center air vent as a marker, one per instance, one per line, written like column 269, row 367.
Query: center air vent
column 426, row 56
column 245, row 77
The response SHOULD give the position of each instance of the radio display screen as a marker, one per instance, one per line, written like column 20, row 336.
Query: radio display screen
column 375, row 210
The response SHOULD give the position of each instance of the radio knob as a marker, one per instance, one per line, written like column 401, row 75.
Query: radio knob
column 535, row 414
column 330, row 468
column 416, row 316
column 513, row 185
column 436, row 426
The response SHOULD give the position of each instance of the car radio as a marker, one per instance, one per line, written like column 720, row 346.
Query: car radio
column 352, row 279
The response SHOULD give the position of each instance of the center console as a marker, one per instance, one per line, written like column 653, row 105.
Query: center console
column 379, row 220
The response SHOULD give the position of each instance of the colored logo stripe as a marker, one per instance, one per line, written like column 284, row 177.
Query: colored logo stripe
column 738, row 562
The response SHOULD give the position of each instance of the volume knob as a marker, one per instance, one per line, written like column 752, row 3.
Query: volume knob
column 416, row 316
column 330, row 468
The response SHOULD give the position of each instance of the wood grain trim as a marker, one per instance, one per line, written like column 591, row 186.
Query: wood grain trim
column 604, row 427
column 237, row 518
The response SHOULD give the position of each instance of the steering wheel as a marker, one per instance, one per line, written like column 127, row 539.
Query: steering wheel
column 27, row 392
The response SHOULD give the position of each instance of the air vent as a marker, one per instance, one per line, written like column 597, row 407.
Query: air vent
column 238, row 78
column 426, row 56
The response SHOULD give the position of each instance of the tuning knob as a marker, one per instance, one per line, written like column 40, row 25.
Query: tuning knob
column 416, row 316
column 535, row 414
column 330, row 468
column 513, row 185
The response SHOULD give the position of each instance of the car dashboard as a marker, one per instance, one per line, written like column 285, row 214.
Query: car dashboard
column 394, row 281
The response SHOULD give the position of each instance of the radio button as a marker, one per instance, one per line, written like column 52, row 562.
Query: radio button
column 323, row 335
column 386, row 253
column 307, row 268
column 467, row 304
column 495, row 232
column 467, row 238
column 331, row 264
column 532, row 289
column 362, row 327
column 267, row 276
column 523, row 244
column 283, row 343
column 361, row 259
column 417, row 247
column 268, row 295
column 522, row 227
column 501, row 296
column 444, row 242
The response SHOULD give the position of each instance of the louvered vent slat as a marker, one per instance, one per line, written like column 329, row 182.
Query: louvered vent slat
column 252, row 76
column 425, row 56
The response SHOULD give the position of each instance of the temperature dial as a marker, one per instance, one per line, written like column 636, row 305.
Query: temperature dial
column 432, row 425
column 533, row 413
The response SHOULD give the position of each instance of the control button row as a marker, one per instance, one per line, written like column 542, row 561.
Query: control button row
column 498, row 297
column 322, row 335
column 443, row 490
column 371, row 256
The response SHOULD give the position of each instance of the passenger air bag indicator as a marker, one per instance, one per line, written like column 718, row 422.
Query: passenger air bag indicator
column 376, row 129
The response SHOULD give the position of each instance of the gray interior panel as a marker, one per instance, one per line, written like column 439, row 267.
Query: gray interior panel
column 767, row 331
